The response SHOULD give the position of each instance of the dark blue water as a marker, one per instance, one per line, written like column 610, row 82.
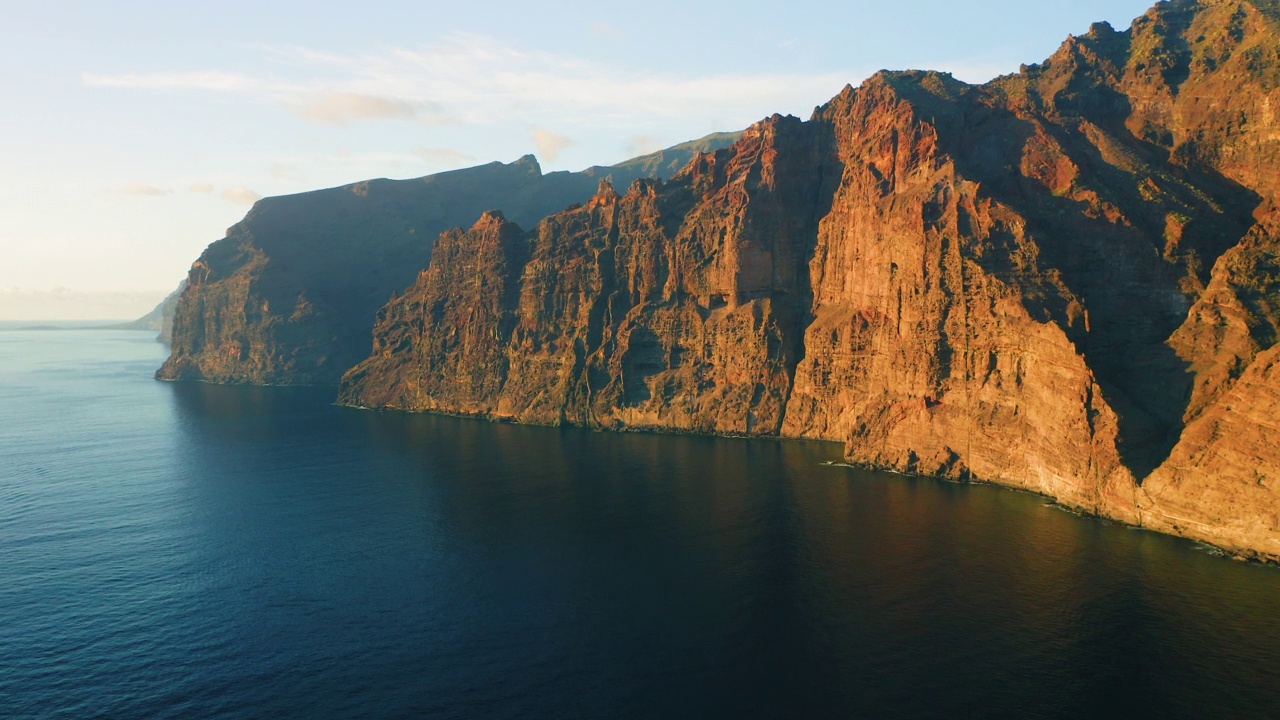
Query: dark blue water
column 188, row 551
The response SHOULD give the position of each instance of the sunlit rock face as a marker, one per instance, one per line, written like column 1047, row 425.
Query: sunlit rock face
column 1066, row 280
column 679, row 306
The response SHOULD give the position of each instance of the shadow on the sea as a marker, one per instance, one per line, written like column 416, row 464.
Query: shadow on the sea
column 535, row 474
column 743, row 576
column 241, row 401
column 249, row 413
column 739, row 545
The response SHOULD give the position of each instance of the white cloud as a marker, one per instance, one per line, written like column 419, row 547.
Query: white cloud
column 240, row 196
column 144, row 190
column 643, row 145
column 203, row 188
column 478, row 80
column 549, row 144
column 331, row 107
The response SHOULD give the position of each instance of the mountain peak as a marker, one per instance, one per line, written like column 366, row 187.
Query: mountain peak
column 1101, row 29
column 605, row 195
column 529, row 163
column 490, row 218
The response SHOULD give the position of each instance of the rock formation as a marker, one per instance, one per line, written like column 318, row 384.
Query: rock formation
column 289, row 295
column 675, row 307
column 1065, row 280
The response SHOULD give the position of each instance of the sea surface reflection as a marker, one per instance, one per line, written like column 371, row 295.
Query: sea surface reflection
column 185, row 550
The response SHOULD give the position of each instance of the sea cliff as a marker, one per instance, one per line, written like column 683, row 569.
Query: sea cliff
column 1065, row 280
column 288, row 297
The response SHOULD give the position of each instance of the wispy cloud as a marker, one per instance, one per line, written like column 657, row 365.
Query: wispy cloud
column 331, row 107
column 643, row 144
column 203, row 188
column 476, row 79
column 240, row 196
column 549, row 144
column 144, row 190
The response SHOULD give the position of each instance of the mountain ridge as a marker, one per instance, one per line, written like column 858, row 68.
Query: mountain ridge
column 289, row 295
column 1065, row 280
column 1062, row 280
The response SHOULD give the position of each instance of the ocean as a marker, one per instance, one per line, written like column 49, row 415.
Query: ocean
column 196, row 551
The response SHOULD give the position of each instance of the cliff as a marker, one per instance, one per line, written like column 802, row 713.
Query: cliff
column 1065, row 280
column 678, row 306
column 290, row 294
column 160, row 319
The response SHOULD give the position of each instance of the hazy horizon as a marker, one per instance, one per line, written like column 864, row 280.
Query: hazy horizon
column 142, row 134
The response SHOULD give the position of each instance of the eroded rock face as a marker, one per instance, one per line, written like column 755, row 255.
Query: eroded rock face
column 290, row 294
column 1064, row 280
column 942, row 339
column 1222, row 481
column 675, row 307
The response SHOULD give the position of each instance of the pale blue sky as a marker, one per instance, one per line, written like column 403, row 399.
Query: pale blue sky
column 134, row 133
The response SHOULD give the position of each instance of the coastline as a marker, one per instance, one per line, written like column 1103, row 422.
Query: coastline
column 1239, row 554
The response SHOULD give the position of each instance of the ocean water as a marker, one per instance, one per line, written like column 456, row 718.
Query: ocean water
column 192, row 551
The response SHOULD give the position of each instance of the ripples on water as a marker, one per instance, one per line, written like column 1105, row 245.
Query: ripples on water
column 194, row 551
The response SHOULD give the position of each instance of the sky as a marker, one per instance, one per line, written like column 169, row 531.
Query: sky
column 134, row 133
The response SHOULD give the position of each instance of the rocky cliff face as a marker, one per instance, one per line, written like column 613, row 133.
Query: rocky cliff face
column 1065, row 280
column 677, row 307
column 290, row 294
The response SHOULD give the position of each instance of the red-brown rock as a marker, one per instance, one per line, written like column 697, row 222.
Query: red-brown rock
column 1066, row 280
